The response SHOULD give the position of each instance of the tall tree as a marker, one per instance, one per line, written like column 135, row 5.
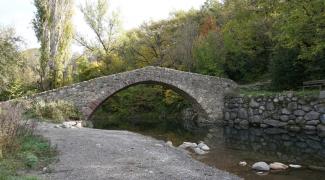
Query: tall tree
column 53, row 28
column 10, row 59
column 103, row 24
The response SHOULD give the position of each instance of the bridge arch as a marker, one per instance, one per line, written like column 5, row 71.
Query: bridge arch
column 94, row 105
column 206, row 93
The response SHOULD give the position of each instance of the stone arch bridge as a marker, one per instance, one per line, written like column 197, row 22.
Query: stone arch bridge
column 206, row 93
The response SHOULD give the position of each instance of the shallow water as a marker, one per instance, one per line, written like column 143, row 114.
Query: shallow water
column 229, row 146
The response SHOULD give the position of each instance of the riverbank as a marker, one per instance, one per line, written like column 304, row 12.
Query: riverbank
column 103, row 154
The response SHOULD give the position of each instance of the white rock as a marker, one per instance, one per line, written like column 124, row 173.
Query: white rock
column 203, row 146
column 278, row 166
column 169, row 143
column 199, row 151
column 242, row 163
column 295, row 166
column 261, row 166
column 158, row 145
column 187, row 145
column 79, row 125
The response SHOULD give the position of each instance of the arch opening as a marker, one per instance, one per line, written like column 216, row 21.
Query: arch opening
column 195, row 104
column 147, row 106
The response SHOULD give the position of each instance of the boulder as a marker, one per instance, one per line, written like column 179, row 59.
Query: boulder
column 261, row 166
column 187, row 145
column 199, row 151
column 203, row 146
column 278, row 166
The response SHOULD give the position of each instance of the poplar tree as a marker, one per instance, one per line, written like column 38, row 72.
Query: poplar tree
column 53, row 28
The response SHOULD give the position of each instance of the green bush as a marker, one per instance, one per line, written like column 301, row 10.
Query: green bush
column 55, row 111
column 287, row 72
column 30, row 159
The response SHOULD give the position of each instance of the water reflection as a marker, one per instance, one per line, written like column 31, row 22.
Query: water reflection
column 231, row 145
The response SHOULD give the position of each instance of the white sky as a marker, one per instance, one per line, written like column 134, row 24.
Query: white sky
column 19, row 14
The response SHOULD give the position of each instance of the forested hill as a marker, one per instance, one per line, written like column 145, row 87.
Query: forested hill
column 244, row 40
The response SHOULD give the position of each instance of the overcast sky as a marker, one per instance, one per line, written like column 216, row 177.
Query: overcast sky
column 19, row 14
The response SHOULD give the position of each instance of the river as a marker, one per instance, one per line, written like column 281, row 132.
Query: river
column 229, row 146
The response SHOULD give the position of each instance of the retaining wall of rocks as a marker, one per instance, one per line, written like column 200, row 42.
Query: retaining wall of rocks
column 279, row 114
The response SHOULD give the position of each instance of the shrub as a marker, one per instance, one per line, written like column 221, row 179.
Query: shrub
column 11, row 125
column 56, row 111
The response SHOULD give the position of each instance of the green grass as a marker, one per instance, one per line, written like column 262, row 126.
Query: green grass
column 299, row 93
column 31, row 152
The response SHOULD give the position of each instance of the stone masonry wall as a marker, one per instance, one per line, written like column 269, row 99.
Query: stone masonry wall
column 277, row 114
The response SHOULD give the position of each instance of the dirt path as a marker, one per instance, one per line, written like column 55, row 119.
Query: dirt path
column 90, row 154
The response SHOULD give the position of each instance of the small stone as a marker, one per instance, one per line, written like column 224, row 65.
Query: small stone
column 294, row 128
column 261, row 166
column 274, row 123
column 292, row 106
column 284, row 118
column 270, row 106
column 306, row 108
column 278, row 166
column 296, row 166
column 309, row 128
column 313, row 122
column 169, row 143
column 242, row 114
column 285, row 111
column 199, row 151
column 322, row 118
column 318, row 168
column 321, row 130
column 98, row 145
column 275, row 100
column 256, row 119
column 187, row 145
column 242, row 163
column 322, row 95
column 254, row 104
column 203, row 146
column 312, row 115
column 299, row 112
column 227, row 116
column 300, row 120
column 158, row 145
column 243, row 123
